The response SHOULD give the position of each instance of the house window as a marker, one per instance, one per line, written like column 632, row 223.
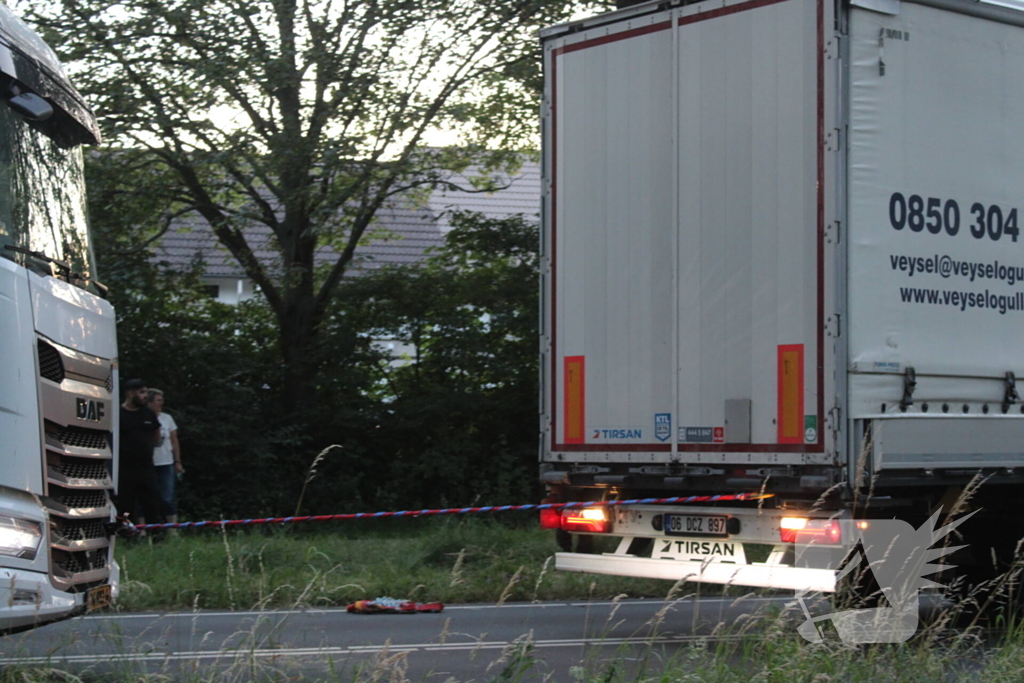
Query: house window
column 212, row 291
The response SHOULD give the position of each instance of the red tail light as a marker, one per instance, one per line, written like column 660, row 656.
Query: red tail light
column 594, row 520
column 550, row 519
column 806, row 531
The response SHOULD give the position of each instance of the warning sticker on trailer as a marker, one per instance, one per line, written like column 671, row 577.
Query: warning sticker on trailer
column 810, row 428
column 662, row 426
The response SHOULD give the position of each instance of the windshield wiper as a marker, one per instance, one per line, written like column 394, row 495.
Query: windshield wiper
column 60, row 268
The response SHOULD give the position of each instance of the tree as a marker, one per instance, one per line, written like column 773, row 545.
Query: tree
column 301, row 117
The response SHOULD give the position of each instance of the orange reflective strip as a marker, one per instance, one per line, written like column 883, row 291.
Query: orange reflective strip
column 575, row 399
column 791, row 393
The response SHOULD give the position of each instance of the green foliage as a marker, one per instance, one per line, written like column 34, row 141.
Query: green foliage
column 222, row 380
column 220, row 369
column 458, row 420
column 455, row 425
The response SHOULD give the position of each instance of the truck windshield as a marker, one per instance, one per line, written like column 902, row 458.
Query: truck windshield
column 42, row 196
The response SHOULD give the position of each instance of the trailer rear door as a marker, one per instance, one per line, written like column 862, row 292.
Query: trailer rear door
column 685, row 251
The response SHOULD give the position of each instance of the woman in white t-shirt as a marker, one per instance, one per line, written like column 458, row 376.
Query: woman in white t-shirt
column 166, row 456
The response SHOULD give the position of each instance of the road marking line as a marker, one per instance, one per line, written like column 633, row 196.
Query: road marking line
column 194, row 615
column 353, row 650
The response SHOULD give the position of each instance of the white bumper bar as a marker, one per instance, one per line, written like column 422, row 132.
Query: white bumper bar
column 756, row 575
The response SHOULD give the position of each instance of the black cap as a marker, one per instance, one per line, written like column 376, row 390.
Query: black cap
column 133, row 384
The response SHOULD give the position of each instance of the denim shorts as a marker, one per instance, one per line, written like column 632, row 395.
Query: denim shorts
column 165, row 486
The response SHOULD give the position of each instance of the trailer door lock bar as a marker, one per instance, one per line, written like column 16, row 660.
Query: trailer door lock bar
column 1011, row 396
column 909, row 384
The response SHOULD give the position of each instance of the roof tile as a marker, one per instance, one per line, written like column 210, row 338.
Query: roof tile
column 400, row 235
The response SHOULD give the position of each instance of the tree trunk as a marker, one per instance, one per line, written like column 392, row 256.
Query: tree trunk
column 300, row 355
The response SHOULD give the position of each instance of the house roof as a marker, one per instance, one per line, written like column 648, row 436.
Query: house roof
column 404, row 230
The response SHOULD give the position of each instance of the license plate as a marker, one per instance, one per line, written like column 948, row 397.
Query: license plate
column 97, row 598
column 696, row 525
column 699, row 550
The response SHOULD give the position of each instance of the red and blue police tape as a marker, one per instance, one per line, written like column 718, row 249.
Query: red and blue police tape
column 455, row 511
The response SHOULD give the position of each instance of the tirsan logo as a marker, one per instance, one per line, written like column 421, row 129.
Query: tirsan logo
column 617, row 434
column 87, row 409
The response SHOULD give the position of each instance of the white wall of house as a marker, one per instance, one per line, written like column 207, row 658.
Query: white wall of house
column 229, row 290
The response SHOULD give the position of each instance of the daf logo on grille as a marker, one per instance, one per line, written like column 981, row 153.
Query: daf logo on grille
column 90, row 410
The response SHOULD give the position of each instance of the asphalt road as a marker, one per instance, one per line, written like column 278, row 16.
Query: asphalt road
column 465, row 642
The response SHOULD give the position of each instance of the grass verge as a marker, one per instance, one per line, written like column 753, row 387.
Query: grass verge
column 447, row 560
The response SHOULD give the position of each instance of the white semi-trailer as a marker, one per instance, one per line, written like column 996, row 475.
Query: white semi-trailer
column 58, row 350
column 782, row 254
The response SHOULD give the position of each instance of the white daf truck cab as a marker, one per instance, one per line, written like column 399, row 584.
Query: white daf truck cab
column 58, row 350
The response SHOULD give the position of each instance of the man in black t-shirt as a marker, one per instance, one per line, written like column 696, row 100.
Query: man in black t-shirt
column 137, row 434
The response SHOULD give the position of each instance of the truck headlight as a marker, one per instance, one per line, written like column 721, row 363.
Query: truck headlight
column 19, row 537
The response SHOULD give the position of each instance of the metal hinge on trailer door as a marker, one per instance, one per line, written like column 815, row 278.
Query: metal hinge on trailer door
column 832, row 48
column 833, row 325
column 834, row 140
column 834, row 232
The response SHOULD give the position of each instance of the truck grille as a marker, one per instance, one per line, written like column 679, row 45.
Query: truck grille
column 70, row 535
column 72, row 530
column 51, row 366
column 78, row 499
column 78, row 563
column 76, row 468
column 79, row 437
column 78, row 480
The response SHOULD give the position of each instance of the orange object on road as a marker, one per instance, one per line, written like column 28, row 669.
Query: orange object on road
column 392, row 606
